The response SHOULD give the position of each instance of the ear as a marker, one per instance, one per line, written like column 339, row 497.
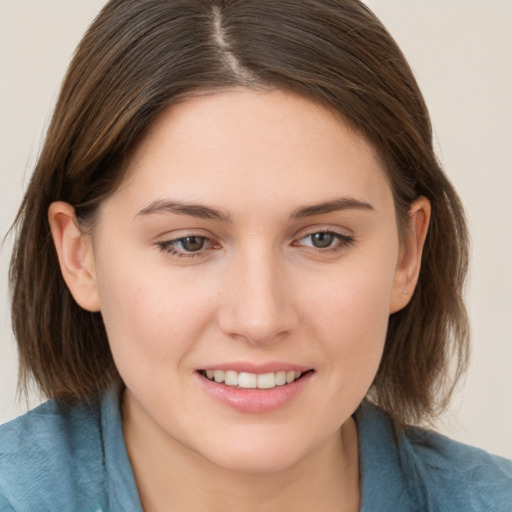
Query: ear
column 75, row 253
column 409, row 260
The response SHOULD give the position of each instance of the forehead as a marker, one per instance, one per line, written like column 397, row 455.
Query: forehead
column 253, row 148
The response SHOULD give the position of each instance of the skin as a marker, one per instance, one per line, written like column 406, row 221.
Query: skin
column 259, row 290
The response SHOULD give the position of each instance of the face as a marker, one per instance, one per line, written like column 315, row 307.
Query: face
column 253, row 239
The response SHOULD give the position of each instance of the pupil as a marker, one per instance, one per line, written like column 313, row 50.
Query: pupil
column 192, row 243
column 322, row 240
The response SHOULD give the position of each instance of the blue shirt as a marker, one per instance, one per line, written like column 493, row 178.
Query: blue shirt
column 73, row 459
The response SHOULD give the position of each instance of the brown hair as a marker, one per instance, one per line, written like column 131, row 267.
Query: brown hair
column 140, row 56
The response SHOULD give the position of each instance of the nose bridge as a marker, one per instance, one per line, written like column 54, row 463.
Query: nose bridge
column 258, row 306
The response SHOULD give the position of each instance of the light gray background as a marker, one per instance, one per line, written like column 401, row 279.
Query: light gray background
column 461, row 52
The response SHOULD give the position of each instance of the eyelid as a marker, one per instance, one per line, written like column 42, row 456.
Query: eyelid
column 344, row 239
column 323, row 228
column 169, row 244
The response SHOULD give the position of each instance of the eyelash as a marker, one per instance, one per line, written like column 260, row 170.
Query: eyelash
column 342, row 240
column 169, row 246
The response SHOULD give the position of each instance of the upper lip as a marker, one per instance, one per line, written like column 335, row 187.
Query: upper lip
column 258, row 368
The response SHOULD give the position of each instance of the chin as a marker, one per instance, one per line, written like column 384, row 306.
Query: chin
column 255, row 464
column 258, row 455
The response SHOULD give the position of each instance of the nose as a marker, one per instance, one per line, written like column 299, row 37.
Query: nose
column 258, row 305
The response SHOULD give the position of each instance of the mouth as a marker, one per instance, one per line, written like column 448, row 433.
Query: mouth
column 251, row 389
column 247, row 380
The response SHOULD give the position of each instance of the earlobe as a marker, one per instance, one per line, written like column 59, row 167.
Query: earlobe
column 409, row 262
column 75, row 253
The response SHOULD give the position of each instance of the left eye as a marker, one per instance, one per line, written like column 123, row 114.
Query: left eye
column 325, row 240
column 322, row 240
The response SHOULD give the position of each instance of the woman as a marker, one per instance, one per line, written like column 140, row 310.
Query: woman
column 238, row 273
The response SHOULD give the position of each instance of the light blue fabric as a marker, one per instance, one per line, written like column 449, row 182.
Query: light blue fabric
column 417, row 470
column 58, row 458
column 73, row 459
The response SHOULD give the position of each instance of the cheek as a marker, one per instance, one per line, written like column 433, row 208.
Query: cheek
column 351, row 316
column 355, row 298
column 152, row 316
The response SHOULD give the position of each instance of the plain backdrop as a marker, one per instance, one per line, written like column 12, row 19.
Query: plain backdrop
column 461, row 53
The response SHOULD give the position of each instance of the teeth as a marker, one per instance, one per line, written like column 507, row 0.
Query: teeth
column 247, row 380
column 252, row 380
column 267, row 381
column 219, row 376
column 280, row 378
column 231, row 378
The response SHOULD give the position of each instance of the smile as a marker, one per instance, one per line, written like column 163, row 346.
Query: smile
column 246, row 380
column 252, row 389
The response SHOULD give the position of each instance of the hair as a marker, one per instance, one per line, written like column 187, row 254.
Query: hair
column 139, row 57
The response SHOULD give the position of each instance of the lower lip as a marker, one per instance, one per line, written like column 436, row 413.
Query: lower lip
column 255, row 400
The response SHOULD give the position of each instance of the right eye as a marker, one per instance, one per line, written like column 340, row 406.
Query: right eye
column 186, row 246
column 192, row 243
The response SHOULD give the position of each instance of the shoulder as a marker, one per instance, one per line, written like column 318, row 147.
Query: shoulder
column 415, row 469
column 51, row 459
column 457, row 473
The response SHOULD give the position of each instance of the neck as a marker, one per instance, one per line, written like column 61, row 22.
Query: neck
column 169, row 476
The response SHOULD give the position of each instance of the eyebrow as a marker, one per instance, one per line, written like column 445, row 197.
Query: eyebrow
column 180, row 208
column 206, row 212
column 343, row 203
